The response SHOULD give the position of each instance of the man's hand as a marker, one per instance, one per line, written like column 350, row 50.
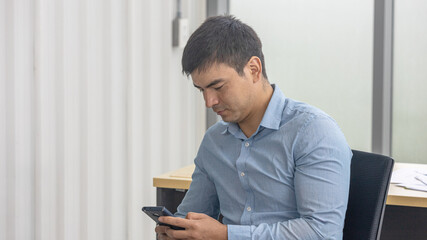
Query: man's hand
column 197, row 226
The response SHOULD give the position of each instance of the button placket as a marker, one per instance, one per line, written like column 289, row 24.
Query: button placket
column 242, row 171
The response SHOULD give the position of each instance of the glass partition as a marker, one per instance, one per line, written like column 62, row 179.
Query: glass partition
column 319, row 52
column 409, row 141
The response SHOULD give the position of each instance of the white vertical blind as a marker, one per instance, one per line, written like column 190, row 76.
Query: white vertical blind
column 19, row 140
column 92, row 106
column 3, row 154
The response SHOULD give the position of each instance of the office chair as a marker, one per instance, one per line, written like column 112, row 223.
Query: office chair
column 369, row 181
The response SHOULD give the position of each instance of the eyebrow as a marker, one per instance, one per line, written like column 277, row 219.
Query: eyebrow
column 210, row 84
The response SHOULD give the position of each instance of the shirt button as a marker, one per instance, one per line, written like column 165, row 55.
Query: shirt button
column 249, row 209
column 246, row 144
column 242, row 174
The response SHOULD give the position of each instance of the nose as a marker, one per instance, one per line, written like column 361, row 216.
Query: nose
column 211, row 98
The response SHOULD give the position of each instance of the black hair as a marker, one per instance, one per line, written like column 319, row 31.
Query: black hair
column 222, row 39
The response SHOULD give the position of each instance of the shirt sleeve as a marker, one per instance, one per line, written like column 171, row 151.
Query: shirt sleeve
column 201, row 196
column 322, row 177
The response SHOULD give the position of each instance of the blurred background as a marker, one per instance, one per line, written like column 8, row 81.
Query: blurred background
column 93, row 104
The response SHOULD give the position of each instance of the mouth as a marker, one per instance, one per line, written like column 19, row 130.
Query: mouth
column 220, row 112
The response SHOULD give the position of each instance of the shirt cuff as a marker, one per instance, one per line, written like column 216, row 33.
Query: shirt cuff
column 238, row 232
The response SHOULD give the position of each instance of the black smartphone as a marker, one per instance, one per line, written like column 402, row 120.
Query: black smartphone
column 155, row 212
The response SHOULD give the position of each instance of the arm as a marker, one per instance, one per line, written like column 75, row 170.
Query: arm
column 201, row 197
column 322, row 169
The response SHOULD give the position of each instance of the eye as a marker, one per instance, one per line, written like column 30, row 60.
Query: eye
column 200, row 90
column 218, row 88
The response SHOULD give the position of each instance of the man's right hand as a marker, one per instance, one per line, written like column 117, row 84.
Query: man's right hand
column 197, row 226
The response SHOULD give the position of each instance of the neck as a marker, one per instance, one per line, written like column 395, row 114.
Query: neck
column 251, row 123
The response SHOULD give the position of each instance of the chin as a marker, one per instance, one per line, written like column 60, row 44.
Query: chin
column 230, row 120
column 225, row 119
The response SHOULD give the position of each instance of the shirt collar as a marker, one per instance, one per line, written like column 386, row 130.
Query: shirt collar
column 272, row 115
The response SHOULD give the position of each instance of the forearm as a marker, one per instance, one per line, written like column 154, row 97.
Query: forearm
column 293, row 229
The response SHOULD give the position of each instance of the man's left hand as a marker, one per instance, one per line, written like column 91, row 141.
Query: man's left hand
column 197, row 226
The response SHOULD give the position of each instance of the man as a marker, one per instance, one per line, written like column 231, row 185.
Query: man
column 274, row 168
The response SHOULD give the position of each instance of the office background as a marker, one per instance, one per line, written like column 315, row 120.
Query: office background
column 321, row 52
column 93, row 103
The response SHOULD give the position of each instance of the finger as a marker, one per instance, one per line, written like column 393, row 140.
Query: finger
column 196, row 216
column 177, row 234
column 161, row 229
column 176, row 221
column 163, row 236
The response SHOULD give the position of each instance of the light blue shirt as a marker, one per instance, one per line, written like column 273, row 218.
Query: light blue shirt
column 289, row 180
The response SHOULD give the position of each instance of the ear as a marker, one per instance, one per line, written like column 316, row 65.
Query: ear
column 255, row 68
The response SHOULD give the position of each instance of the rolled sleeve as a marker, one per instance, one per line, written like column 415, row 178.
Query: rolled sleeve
column 239, row 232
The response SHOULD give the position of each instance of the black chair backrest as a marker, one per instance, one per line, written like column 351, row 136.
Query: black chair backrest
column 369, row 181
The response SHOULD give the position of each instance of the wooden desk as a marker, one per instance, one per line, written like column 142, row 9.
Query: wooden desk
column 178, row 179
column 405, row 215
column 172, row 186
column 403, row 197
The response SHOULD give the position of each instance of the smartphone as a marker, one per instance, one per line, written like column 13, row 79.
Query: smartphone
column 155, row 212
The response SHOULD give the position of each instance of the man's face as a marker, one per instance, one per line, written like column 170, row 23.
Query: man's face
column 225, row 91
